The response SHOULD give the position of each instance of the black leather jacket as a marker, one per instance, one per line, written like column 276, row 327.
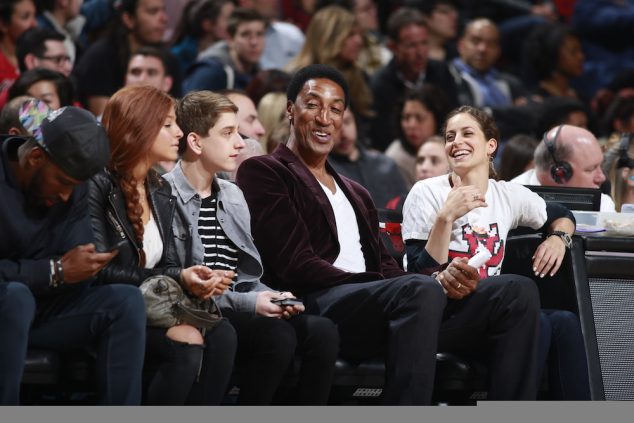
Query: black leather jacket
column 111, row 225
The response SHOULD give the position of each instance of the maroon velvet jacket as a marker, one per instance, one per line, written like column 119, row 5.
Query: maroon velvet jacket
column 294, row 225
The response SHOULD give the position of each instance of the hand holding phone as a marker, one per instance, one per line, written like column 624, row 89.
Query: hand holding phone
column 284, row 302
column 120, row 243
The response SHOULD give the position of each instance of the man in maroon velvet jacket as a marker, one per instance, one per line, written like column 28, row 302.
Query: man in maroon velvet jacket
column 318, row 236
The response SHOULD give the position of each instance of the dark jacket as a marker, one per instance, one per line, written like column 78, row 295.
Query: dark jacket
column 294, row 228
column 29, row 240
column 110, row 225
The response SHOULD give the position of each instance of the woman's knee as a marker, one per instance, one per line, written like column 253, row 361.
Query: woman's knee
column 186, row 334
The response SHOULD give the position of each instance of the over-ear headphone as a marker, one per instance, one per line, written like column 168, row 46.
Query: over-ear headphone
column 624, row 146
column 561, row 171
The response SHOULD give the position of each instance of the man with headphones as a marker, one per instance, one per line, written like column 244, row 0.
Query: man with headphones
column 568, row 156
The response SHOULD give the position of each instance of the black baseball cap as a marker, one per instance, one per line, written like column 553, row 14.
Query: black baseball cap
column 74, row 140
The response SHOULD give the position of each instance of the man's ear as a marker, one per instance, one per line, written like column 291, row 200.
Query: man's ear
column 128, row 20
column 290, row 111
column 391, row 45
column 31, row 61
column 167, row 83
column 194, row 144
column 36, row 158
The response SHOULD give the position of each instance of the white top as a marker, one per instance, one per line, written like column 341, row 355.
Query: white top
column 350, row 257
column 509, row 205
column 152, row 243
column 530, row 178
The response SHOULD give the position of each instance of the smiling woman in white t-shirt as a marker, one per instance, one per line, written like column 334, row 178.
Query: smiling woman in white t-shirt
column 457, row 215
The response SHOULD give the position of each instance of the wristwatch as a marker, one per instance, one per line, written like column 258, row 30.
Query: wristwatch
column 565, row 237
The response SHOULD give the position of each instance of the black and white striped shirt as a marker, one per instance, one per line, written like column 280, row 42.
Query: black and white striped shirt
column 220, row 252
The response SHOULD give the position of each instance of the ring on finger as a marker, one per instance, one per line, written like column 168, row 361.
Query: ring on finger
column 459, row 285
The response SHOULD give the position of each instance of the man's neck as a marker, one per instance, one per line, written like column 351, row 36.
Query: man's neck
column 198, row 177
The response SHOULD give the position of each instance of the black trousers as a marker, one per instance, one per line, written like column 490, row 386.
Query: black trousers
column 266, row 348
column 409, row 318
column 177, row 373
column 109, row 318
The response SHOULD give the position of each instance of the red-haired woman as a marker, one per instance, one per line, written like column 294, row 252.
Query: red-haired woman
column 130, row 201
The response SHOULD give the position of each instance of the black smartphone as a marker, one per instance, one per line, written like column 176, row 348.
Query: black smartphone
column 120, row 243
column 283, row 302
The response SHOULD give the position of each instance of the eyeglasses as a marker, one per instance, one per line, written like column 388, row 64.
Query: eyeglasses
column 58, row 60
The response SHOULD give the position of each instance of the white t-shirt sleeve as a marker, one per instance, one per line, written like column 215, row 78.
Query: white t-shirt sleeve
column 530, row 208
column 421, row 207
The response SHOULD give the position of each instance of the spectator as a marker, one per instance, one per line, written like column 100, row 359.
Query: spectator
column 555, row 111
column 517, row 156
column 57, row 15
column 441, row 17
column 409, row 69
column 553, row 57
column 446, row 218
column 52, row 87
column 420, row 116
column 48, row 260
column 374, row 54
column 334, row 38
column 272, row 113
column 268, row 334
column 568, row 156
column 128, row 201
column 10, row 118
column 264, row 82
column 249, row 124
column 203, row 23
column 233, row 63
column 431, row 159
column 16, row 16
column 373, row 170
column 283, row 40
column 606, row 30
column 320, row 237
column 620, row 171
column 43, row 48
column 149, row 66
column 480, row 83
column 101, row 69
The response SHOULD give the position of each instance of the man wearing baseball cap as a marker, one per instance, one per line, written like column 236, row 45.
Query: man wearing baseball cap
column 48, row 260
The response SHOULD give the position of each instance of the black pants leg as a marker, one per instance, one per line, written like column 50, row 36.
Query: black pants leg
column 266, row 347
column 111, row 317
column 498, row 323
column 398, row 317
column 567, row 364
column 17, row 310
column 317, row 347
column 183, row 373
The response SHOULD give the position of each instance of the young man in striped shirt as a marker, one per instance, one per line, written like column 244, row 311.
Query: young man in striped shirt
column 215, row 217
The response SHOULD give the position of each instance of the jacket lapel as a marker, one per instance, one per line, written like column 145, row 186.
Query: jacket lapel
column 299, row 169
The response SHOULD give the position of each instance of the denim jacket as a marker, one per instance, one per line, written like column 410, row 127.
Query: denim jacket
column 235, row 220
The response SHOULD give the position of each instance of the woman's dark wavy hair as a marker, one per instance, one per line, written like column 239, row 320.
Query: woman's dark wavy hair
column 541, row 50
column 432, row 98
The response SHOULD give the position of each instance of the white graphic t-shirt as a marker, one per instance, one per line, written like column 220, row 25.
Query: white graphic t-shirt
column 509, row 205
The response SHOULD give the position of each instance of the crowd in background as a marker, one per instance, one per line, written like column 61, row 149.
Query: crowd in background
column 555, row 77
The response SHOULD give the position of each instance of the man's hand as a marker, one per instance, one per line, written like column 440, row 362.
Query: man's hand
column 264, row 306
column 83, row 262
column 459, row 279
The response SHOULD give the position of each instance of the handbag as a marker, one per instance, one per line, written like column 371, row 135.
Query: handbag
column 167, row 305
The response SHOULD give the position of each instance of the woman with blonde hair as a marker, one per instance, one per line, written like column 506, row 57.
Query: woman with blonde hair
column 272, row 113
column 133, row 205
column 334, row 38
